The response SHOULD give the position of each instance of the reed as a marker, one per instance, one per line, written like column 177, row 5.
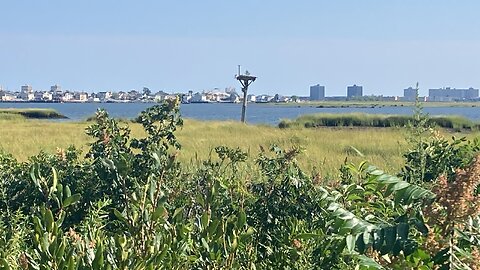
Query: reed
column 33, row 113
column 374, row 120
column 325, row 149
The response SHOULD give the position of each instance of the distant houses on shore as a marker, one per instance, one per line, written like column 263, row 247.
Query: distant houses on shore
column 56, row 94
column 227, row 95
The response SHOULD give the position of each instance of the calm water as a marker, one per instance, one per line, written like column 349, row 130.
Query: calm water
column 256, row 113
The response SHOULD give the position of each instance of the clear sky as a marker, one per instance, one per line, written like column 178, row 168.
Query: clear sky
column 98, row 45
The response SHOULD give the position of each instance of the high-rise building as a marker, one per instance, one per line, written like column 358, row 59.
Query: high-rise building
column 317, row 92
column 452, row 94
column 354, row 91
column 27, row 89
column 55, row 88
column 410, row 94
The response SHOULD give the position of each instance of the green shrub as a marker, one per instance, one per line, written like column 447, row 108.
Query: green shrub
column 129, row 204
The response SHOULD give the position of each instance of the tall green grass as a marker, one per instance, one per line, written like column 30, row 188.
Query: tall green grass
column 374, row 120
column 11, row 116
column 324, row 149
column 31, row 113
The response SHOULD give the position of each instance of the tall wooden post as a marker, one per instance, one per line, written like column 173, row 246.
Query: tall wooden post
column 245, row 80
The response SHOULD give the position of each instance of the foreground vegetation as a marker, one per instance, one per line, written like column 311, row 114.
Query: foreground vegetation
column 375, row 120
column 131, row 204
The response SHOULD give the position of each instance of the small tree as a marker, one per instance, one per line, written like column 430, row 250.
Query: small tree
column 146, row 92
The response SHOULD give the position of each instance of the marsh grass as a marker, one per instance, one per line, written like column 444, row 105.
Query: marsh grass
column 35, row 113
column 324, row 149
column 374, row 120
column 11, row 116
column 24, row 138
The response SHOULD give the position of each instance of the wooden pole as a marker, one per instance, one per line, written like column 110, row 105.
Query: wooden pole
column 245, row 80
column 244, row 106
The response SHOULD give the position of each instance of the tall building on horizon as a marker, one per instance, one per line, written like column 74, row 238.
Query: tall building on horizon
column 452, row 94
column 55, row 88
column 410, row 94
column 26, row 88
column 354, row 91
column 317, row 92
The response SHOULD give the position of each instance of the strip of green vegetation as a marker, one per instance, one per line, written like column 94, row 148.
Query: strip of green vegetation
column 376, row 104
column 11, row 117
column 374, row 120
column 31, row 113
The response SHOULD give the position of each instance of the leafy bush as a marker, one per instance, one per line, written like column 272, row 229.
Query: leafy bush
column 129, row 204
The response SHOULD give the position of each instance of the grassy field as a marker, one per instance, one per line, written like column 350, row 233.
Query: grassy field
column 325, row 149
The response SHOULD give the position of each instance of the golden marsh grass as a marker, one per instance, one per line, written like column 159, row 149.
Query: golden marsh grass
column 325, row 149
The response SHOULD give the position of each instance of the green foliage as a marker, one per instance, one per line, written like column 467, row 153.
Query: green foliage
column 131, row 205
column 289, row 216
column 435, row 156
column 31, row 113
column 375, row 120
column 13, row 232
column 430, row 155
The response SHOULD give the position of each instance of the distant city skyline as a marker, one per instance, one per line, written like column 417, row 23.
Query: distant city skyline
column 319, row 91
column 385, row 46
column 228, row 95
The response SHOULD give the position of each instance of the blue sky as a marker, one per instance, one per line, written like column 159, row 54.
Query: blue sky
column 179, row 45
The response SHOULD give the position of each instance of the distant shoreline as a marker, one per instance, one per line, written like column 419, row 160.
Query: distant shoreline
column 376, row 104
column 316, row 104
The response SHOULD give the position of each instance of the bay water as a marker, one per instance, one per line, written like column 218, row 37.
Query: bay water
column 256, row 113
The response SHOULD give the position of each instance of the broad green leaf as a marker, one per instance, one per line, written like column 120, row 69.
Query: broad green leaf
column 390, row 237
column 159, row 212
column 204, row 220
column 402, row 231
column 119, row 215
column 241, row 219
column 369, row 262
column 205, row 244
column 98, row 261
column 71, row 200
column 67, row 192
column 360, row 244
column 212, row 228
column 49, row 220
column 378, row 238
column 350, row 242
column 151, row 190
column 53, row 188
